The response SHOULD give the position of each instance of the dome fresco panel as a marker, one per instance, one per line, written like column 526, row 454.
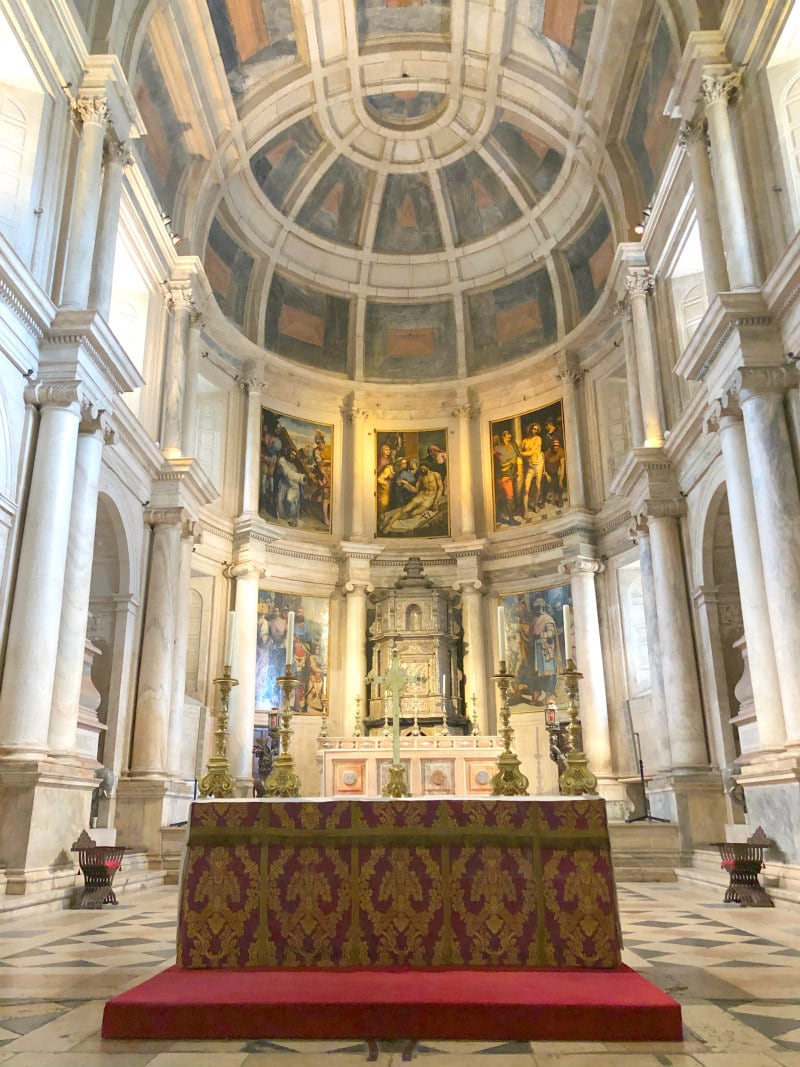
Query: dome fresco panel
column 307, row 325
column 408, row 220
column 509, row 321
column 279, row 162
column 228, row 268
column 537, row 163
column 651, row 133
column 565, row 24
column 479, row 201
column 404, row 108
column 590, row 259
column 379, row 18
column 410, row 341
column 250, row 34
column 335, row 206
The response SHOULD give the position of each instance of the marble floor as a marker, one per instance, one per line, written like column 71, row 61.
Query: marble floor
column 736, row 972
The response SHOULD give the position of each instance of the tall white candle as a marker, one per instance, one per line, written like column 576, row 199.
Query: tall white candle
column 501, row 632
column 567, row 632
column 444, row 679
column 230, row 630
column 290, row 638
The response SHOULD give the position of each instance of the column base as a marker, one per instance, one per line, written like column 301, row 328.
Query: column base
column 772, row 795
column 44, row 805
column 696, row 801
column 618, row 803
column 146, row 805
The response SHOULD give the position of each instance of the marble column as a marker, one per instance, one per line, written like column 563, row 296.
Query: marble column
column 726, row 417
column 639, row 284
column 93, row 115
column 251, row 477
column 761, row 392
column 589, row 659
column 360, row 447
column 719, row 86
column 570, row 376
column 33, row 631
column 151, row 726
column 189, row 420
column 475, row 678
column 63, row 731
column 640, row 532
column 190, row 532
column 694, row 139
column 241, row 723
column 623, row 309
column 356, row 645
column 466, row 414
column 180, row 305
column 117, row 157
column 681, row 680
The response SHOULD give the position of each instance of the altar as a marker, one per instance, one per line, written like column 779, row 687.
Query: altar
column 424, row 883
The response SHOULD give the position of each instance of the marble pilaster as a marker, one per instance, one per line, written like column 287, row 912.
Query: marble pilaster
column 190, row 534
column 189, row 420
column 475, row 679
column 93, row 113
column 466, row 414
column 359, row 449
column 181, row 305
column 623, row 309
column 694, row 138
column 117, row 157
column 94, row 433
column 570, row 375
column 639, row 284
column 251, row 476
column 243, row 698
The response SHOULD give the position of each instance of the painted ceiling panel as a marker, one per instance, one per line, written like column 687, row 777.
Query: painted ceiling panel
column 250, row 34
column 279, row 162
column 335, row 206
column 378, row 18
column 510, row 321
column 408, row 220
column 479, row 200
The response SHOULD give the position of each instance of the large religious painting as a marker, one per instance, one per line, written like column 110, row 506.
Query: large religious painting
column 535, row 645
column 295, row 472
column 529, row 467
column 309, row 650
column 412, row 483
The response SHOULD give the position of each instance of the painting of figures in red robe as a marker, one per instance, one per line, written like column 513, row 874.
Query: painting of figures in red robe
column 529, row 467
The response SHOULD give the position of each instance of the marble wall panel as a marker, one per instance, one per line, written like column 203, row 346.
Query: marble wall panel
column 378, row 18
column 335, row 207
column 651, row 134
column 406, row 342
column 163, row 150
column 279, row 162
column 251, row 35
column 228, row 269
column 535, row 648
column 510, row 321
column 408, row 221
column 307, row 325
column 309, row 649
column 295, row 472
column 479, row 202
column 529, row 467
column 411, row 483
column 590, row 259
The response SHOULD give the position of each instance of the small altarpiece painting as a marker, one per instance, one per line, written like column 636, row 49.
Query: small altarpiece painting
column 534, row 624
column 529, row 467
column 295, row 472
column 411, row 483
column 309, row 652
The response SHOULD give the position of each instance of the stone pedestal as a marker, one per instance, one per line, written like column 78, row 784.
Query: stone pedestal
column 772, row 794
column 696, row 802
column 144, row 806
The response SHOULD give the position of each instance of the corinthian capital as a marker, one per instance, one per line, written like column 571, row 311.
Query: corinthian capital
column 693, row 133
column 638, row 528
column 639, row 281
column 91, row 109
column 723, row 412
column 720, row 85
column 581, row 565
column 468, row 411
column 180, row 297
column 117, row 152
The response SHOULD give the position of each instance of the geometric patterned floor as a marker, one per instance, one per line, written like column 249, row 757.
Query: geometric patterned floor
column 735, row 971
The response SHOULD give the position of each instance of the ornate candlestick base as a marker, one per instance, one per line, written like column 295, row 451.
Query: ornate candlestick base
column 509, row 780
column 576, row 779
column 396, row 782
column 217, row 782
column 283, row 782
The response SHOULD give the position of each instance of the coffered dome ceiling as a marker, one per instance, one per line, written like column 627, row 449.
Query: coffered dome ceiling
column 406, row 189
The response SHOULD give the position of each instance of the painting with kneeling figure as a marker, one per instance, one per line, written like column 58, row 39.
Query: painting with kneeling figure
column 296, row 472
column 411, row 483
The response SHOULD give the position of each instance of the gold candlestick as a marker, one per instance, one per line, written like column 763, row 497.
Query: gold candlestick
column 357, row 730
column 576, row 779
column 509, row 780
column 217, row 781
column 475, row 731
column 283, row 782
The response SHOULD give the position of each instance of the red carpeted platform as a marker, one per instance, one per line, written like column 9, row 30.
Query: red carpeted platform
column 550, row 1005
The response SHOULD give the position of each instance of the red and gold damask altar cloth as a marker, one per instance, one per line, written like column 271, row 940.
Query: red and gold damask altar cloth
column 445, row 883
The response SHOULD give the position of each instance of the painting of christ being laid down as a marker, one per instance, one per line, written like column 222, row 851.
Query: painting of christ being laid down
column 411, row 483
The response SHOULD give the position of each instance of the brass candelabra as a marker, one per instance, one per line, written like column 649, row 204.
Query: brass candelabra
column 509, row 780
column 576, row 779
column 283, row 782
column 217, row 781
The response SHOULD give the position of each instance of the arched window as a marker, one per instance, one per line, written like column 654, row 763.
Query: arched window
column 791, row 122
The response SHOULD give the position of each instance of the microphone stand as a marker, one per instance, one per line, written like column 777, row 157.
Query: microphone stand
column 646, row 815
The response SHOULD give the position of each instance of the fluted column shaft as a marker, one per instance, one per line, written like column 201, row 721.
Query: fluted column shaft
column 777, row 506
column 93, row 114
column 726, row 417
column 117, row 157
column 641, row 532
column 589, row 658
column 63, row 732
column 189, row 420
column 681, row 683
column 718, row 88
column 243, row 698
column 474, row 646
column 695, row 141
column 34, row 624
column 183, row 595
column 640, row 285
column 151, row 727
column 251, row 476
column 180, row 304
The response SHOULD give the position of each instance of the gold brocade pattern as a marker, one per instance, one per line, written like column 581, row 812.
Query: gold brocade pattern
column 488, row 903
column 584, row 910
column 307, row 924
column 398, row 911
column 223, row 906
